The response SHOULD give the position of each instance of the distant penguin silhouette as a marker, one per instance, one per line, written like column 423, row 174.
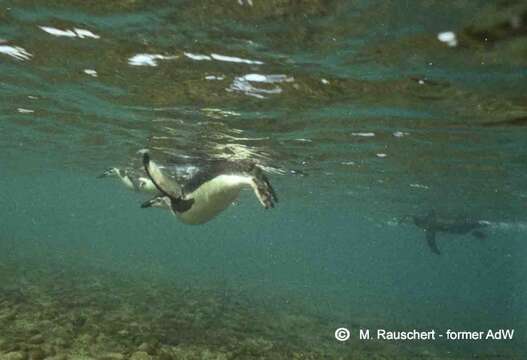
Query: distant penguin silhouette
column 432, row 225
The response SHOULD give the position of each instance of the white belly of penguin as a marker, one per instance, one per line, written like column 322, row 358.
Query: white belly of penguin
column 213, row 197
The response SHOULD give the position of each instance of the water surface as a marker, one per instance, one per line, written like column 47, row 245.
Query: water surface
column 357, row 111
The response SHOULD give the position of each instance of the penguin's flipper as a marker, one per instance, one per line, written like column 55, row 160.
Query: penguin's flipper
column 163, row 183
column 431, row 240
column 262, row 188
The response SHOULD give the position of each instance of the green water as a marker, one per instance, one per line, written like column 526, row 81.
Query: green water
column 359, row 115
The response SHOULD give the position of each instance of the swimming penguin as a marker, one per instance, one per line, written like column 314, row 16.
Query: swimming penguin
column 432, row 225
column 131, row 179
column 209, row 191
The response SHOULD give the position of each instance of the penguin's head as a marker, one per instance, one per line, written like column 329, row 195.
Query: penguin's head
column 145, row 184
column 160, row 201
column 407, row 220
column 113, row 171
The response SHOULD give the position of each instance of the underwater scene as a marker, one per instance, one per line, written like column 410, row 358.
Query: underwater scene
column 249, row 179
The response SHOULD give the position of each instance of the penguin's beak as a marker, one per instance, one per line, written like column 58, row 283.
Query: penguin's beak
column 407, row 219
column 147, row 204
column 106, row 173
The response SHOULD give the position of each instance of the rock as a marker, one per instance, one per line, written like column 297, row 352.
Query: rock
column 14, row 355
column 57, row 357
column 36, row 339
column 60, row 342
column 36, row 354
column 165, row 354
column 8, row 316
column 11, row 347
column 146, row 347
column 140, row 355
column 112, row 356
column 48, row 349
